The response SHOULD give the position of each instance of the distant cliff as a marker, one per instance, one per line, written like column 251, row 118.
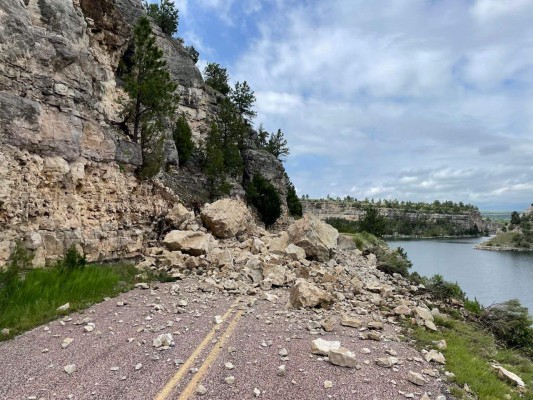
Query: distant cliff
column 405, row 222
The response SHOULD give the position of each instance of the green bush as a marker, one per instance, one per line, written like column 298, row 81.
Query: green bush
column 393, row 261
column 444, row 290
column 72, row 260
column 510, row 323
column 474, row 306
column 265, row 198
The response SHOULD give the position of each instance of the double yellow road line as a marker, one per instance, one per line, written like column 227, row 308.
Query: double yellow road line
column 225, row 335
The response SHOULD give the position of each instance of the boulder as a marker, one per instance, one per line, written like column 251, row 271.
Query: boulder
column 179, row 214
column 323, row 347
column 295, row 252
column 304, row 294
column 278, row 245
column 276, row 273
column 317, row 238
column 508, row 376
column 193, row 243
column 342, row 357
column 226, row 218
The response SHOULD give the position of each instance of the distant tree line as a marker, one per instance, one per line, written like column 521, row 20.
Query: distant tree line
column 437, row 207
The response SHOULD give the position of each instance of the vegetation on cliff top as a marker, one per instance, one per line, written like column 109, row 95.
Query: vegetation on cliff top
column 437, row 207
column 517, row 233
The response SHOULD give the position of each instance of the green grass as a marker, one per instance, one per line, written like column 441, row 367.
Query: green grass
column 469, row 354
column 504, row 239
column 365, row 240
column 33, row 299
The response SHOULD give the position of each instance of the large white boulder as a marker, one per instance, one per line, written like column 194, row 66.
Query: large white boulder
column 304, row 294
column 317, row 238
column 193, row 243
column 226, row 218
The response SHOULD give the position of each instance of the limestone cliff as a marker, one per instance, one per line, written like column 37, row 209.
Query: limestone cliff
column 66, row 169
column 467, row 221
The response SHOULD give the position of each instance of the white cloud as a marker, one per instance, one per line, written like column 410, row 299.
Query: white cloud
column 408, row 99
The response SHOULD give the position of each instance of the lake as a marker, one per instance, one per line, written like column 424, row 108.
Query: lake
column 489, row 276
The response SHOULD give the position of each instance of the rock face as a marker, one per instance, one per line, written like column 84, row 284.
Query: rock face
column 226, row 218
column 317, row 238
column 65, row 167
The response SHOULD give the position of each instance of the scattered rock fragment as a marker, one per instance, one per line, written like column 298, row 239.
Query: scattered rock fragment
column 218, row 319
column 415, row 378
column 434, row 355
column 70, row 368
column 5, row 332
column 328, row 384
column 230, row 380
column 322, row 347
column 342, row 357
column 163, row 341
column 281, row 370
column 66, row 342
column 201, row 390
column 351, row 322
column 64, row 307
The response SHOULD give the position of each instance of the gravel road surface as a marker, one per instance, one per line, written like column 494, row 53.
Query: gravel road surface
column 117, row 359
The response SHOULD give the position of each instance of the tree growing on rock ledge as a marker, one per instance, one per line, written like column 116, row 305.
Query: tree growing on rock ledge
column 165, row 15
column 152, row 98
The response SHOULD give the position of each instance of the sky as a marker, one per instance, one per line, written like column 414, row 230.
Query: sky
column 416, row 100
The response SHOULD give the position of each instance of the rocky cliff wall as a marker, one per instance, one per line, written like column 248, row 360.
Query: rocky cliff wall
column 332, row 209
column 60, row 179
column 67, row 170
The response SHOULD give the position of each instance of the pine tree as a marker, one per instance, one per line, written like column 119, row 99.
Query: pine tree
column 293, row 202
column 217, row 77
column 277, row 145
column 214, row 163
column 165, row 15
column 182, row 136
column 152, row 98
column 243, row 98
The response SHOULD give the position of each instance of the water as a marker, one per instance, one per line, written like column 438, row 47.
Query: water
column 489, row 276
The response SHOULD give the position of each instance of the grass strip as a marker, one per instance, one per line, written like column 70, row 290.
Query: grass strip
column 469, row 356
column 32, row 300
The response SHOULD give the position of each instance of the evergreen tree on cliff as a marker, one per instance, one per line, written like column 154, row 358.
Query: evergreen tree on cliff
column 165, row 15
column 217, row 77
column 152, row 98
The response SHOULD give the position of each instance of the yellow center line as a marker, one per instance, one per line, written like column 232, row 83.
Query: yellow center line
column 191, row 387
column 163, row 394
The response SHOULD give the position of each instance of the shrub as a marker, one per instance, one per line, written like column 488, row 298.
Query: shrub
column 265, row 198
column 394, row 261
column 510, row 323
column 444, row 290
column 72, row 260
column 474, row 306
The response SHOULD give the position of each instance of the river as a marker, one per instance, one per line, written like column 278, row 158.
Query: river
column 489, row 276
